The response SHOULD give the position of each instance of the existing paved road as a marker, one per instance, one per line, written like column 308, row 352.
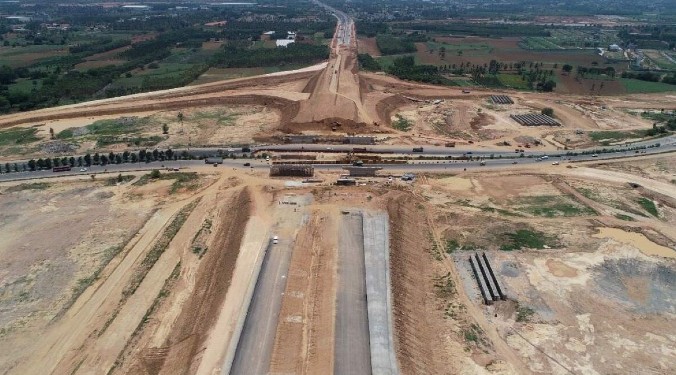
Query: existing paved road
column 415, row 166
column 254, row 349
column 352, row 349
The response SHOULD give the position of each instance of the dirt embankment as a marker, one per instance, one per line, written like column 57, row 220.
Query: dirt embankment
column 181, row 353
column 326, row 125
column 304, row 338
column 418, row 340
column 387, row 106
column 174, row 104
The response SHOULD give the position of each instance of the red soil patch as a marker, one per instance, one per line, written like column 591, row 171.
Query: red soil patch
column 368, row 45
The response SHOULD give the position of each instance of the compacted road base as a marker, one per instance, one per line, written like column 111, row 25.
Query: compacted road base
column 352, row 348
column 376, row 254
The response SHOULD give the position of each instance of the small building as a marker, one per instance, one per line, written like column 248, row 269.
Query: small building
column 284, row 42
column 362, row 171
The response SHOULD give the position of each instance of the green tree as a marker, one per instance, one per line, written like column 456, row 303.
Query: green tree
column 548, row 111
column 165, row 129
column 567, row 68
column 31, row 164
column 155, row 174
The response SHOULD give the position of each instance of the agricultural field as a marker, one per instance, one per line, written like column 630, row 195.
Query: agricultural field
column 664, row 60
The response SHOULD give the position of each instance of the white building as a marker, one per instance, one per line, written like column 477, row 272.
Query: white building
column 283, row 42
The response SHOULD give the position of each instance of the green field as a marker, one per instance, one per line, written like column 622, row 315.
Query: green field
column 636, row 86
column 18, row 136
column 112, row 127
column 25, row 86
column 23, row 56
column 538, row 42
column 513, row 81
column 615, row 135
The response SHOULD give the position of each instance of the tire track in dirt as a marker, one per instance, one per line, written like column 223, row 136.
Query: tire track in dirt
column 88, row 313
column 201, row 310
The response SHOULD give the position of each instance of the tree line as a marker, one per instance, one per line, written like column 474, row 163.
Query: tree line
column 87, row 160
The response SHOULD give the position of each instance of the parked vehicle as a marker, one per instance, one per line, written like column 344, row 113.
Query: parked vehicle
column 61, row 169
column 417, row 149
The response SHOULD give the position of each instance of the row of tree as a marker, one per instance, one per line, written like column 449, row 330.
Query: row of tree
column 98, row 159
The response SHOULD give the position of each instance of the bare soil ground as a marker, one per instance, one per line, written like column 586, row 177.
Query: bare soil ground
column 304, row 339
column 575, row 303
column 181, row 351
column 368, row 45
column 40, row 279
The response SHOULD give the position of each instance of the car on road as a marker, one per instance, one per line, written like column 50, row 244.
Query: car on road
column 247, row 164
column 275, row 240
column 231, row 150
column 515, row 162
column 83, row 169
column 594, row 156
column 555, row 163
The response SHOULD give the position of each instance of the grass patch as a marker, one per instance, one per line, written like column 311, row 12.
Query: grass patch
column 658, row 116
column 624, row 217
column 120, row 179
column 524, row 314
column 513, row 81
column 649, row 206
column 526, row 238
column 111, row 127
column 159, row 248
column 444, row 286
column 451, row 246
column 474, row 335
column 29, row 186
column 18, row 136
column 223, row 119
column 402, row 123
column 552, row 206
column 183, row 180
column 616, row 136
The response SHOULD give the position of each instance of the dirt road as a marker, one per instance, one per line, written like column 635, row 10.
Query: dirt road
column 304, row 339
column 352, row 347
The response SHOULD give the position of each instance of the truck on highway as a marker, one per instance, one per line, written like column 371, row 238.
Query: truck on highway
column 213, row 160
column 61, row 169
column 417, row 149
